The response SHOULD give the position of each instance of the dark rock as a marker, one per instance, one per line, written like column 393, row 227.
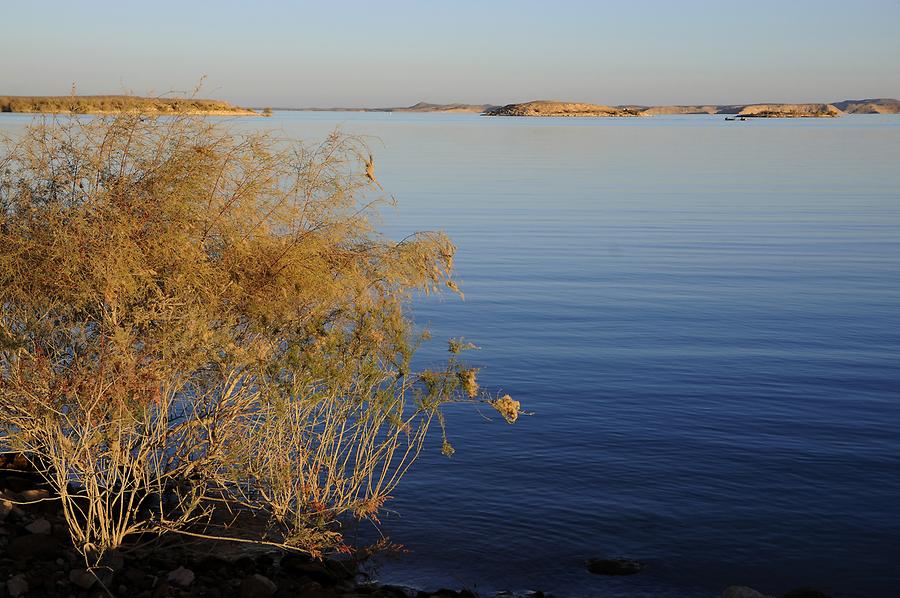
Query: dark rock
column 309, row 586
column 17, row 483
column 258, row 586
column 34, row 495
column 34, row 546
column 6, row 507
column 742, row 592
column 393, row 592
column 15, row 461
column 181, row 576
column 264, row 562
column 615, row 566
column 213, row 566
column 161, row 591
column 327, row 573
column 134, row 576
column 244, row 566
column 804, row 593
column 39, row 526
column 82, row 578
column 318, row 593
column 17, row 585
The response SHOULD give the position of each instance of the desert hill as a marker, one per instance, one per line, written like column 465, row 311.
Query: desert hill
column 870, row 106
column 789, row 111
column 118, row 103
column 553, row 108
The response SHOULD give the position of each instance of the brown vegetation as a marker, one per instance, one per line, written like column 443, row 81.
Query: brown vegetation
column 200, row 330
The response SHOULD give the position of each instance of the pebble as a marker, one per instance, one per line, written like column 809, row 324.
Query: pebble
column 742, row 592
column 39, row 526
column 34, row 546
column 6, row 508
column 258, row 586
column 17, row 586
column 181, row 577
column 82, row 578
column 34, row 494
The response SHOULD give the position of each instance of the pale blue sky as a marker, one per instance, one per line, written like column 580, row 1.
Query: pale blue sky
column 356, row 53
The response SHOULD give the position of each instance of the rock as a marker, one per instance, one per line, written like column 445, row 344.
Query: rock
column 112, row 561
column 17, row 586
column 6, row 508
column 15, row 462
column 258, row 586
column 327, row 573
column 39, row 526
column 34, row 494
column 17, row 483
column 181, row 577
column 34, row 546
column 82, row 578
column 615, row 566
column 804, row 593
column 742, row 592
column 394, row 592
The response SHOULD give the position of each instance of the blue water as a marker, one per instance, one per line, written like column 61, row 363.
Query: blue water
column 704, row 317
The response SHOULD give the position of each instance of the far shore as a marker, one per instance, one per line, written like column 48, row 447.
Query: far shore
column 107, row 105
column 119, row 104
column 539, row 108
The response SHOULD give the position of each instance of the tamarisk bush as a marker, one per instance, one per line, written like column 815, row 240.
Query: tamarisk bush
column 202, row 333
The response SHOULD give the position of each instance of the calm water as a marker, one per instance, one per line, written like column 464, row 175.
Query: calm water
column 704, row 317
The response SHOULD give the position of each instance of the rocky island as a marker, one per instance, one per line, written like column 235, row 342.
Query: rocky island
column 790, row 111
column 114, row 104
column 552, row 108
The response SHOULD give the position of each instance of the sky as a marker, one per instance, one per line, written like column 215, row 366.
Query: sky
column 366, row 53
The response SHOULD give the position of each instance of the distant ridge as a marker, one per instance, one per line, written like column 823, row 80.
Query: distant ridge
column 418, row 107
column 110, row 104
column 871, row 106
column 581, row 109
column 113, row 104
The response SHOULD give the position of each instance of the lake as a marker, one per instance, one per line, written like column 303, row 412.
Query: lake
column 704, row 317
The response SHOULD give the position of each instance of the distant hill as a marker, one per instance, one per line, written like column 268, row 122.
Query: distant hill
column 121, row 103
column 112, row 104
column 871, row 106
column 426, row 107
column 553, row 108
column 789, row 111
column 765, row 110
column 418, row 107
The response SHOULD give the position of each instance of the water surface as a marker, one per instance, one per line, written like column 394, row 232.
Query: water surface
column 705, row 318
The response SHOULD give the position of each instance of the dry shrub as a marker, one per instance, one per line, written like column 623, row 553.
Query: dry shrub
column 200, row 329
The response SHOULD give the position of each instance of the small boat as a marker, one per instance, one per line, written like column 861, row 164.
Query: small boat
column 729, row 118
